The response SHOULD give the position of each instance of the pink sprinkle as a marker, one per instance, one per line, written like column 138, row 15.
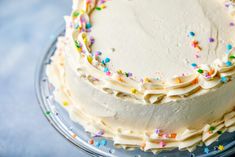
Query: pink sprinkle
column 164, row 135
column 162, row 144
column 108, row 73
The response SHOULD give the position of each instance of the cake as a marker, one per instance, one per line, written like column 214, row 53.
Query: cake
column 155, row 75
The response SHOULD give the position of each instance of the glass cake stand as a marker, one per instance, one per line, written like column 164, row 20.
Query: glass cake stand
column 75, row 133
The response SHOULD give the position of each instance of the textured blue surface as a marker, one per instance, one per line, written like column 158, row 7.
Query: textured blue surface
column 25, row 28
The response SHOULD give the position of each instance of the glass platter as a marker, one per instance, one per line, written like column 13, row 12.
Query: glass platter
column 75, row 134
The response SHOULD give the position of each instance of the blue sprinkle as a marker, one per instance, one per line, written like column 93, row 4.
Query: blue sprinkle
column 106, row 60
column 191, row 34
column 206, row 150
column 228, row 64
column 194, row 65
column 103, row 142
column 229, row 47
column 103, row 62
column 97, row 144
column 88, row 25
column 224, row 79
column 106, row 69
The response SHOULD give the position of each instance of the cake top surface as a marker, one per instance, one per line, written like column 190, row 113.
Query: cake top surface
column 153, row 51
column 161, row 39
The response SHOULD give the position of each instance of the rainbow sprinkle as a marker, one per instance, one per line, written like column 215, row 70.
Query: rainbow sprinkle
column 211, row 40
column 89, row 59
column 200, row 71
column 232, row 57
column 106, row 60
column 191, row 34
column 91, row 141
column 65, row 103
column 228, row 64
column 103, row 142
column 133, row 90
column 162, row 144
column 224, row 79
column 97, row 144
column 194, row 65
column 206, row 150
column 221, row 147
column 106, row 69
column 229, row 47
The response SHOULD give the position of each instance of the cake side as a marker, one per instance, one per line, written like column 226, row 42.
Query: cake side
column 183, row 124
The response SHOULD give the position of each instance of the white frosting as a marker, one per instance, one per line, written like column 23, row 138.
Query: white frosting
column 115, row 103
column 132, row 125
column 151, row 38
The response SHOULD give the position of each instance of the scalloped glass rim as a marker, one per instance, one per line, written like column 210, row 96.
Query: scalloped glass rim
column 60, row 120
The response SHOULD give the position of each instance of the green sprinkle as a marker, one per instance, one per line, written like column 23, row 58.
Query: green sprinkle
column 98, row 8
column 77, row 44
column 75, row 14
column 47, row 112
column 219, row 132
column 212, row 128
column 232, row 57
column 200, row 71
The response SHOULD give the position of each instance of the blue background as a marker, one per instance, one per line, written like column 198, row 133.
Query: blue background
column 26, row 27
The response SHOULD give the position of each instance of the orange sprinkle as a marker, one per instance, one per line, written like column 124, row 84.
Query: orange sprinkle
column 74, row 135
column 178, row 80
column 195, row 81
column 91, row 141
column 142, row 146
column 211, row 72
column 198, row 48
column 173, row 135
column 195, row 43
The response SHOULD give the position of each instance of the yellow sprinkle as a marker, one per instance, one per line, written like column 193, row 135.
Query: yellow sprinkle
column 65, row 103
column 120, row 72
column 146, row 80
column 89, row 59
column 85, row 40
column 79, row 49
column 178, row 80
column 221, row 147
column 133, row 91
column 120, row 79
column 102, row 6
column 82, row 12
